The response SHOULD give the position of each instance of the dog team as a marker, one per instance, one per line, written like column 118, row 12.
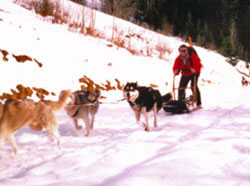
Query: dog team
column 83, row 104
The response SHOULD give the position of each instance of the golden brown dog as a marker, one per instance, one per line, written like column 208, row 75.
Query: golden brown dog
column 1, row 109
column 37, row 115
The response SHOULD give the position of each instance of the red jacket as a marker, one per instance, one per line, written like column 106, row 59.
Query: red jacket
column 185, row 69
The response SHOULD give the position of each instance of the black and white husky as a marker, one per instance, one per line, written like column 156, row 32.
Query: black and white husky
column 142, row 100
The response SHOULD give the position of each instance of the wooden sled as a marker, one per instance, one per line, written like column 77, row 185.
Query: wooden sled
column 181, row 106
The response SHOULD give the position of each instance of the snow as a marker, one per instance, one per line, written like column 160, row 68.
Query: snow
column 209, row 147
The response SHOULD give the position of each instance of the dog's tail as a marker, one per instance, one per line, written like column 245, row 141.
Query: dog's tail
column 61, row 103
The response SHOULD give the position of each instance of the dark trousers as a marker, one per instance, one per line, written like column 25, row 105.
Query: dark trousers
column 183, row 84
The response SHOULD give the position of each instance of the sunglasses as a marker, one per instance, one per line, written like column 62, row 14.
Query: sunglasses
column 183, row 50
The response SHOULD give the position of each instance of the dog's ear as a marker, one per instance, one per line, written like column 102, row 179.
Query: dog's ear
column 126, row 84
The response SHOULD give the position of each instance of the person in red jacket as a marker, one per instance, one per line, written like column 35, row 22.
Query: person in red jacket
column 190, row 66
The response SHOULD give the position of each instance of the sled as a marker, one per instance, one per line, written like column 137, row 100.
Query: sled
column 181, row 106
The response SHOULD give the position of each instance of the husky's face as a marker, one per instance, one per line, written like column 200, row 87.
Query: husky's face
column 94, row 95
column 85, row 96
column 130, row 91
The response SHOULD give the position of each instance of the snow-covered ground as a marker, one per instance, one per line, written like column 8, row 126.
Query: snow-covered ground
column 209, row 147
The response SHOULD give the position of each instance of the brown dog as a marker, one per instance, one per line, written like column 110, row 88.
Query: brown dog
column 1, row 109
column 84, row 105
column 37, row 115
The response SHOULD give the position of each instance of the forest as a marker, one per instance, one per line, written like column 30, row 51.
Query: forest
column 221, row 25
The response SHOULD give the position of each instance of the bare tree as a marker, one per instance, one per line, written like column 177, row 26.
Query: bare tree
column 150, row 3
column 119, row 8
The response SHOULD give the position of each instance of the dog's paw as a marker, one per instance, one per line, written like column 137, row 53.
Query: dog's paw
column 86, row 134
column 155, row 125
column 51, row 139
column 139, row 123
column 78, row 127
column 147, row 129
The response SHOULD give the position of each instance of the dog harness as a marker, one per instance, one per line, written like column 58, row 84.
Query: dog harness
column 83, row 104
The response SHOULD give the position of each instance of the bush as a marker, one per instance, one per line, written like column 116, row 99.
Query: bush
column 44, row 8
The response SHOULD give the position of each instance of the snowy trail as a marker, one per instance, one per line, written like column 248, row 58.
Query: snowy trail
column 209, row 147
column 118, row 149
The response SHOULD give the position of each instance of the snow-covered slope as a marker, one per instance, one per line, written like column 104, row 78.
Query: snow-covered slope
column 70, row 55
column 209, row 147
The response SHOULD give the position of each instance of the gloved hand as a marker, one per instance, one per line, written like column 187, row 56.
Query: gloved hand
column 176, row 72
column 193, row 70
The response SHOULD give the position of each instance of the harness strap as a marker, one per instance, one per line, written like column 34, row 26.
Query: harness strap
column 94, row 103
column 113, row 102
column 86, row 104
column 76, row 113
